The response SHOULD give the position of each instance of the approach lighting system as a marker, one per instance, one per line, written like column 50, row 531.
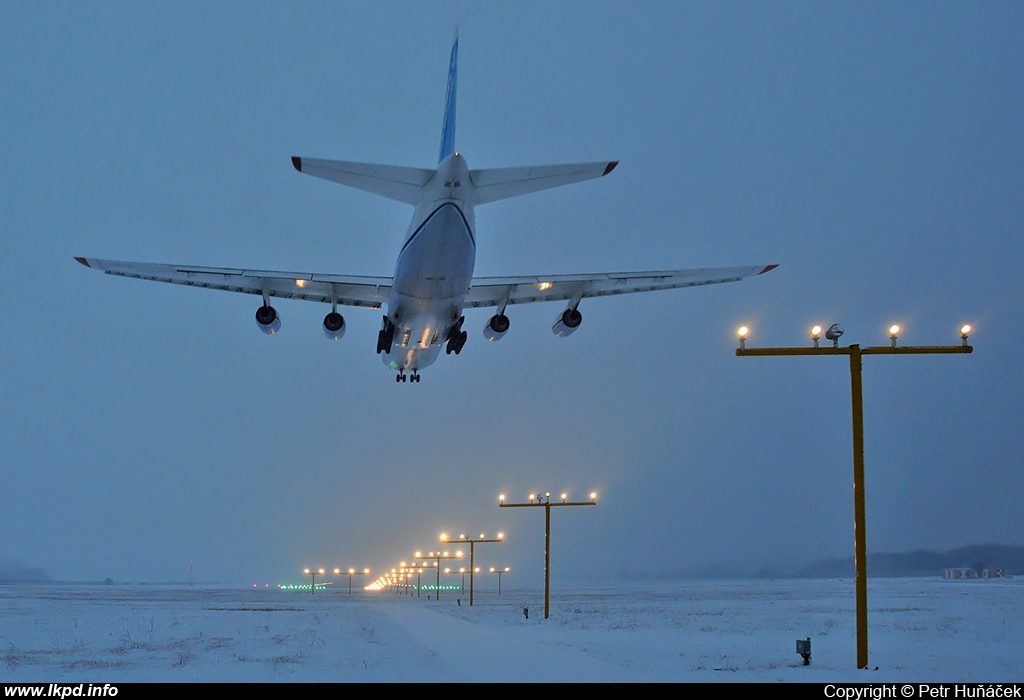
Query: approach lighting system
column 544, row 502
column 855, row 352
column 351, row 573
column 472, row 552
column 313, row 573
column 437, row 557
column 499, row 572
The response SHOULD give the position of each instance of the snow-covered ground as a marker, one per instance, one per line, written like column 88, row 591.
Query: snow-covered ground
column 924, row 630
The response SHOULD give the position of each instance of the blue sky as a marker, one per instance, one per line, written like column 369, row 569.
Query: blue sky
column 873, row 151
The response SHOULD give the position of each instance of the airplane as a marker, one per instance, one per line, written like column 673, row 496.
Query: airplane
column 433, row 282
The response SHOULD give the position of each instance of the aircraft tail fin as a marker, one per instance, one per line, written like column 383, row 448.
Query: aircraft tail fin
column 448, row 127
column 492, row 184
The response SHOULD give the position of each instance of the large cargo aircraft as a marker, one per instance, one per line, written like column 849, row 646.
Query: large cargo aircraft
column 433, row 281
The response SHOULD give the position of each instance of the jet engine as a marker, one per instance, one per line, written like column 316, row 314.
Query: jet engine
column 334, row 325
column 497, row 327
column 268, row 320
column 567, row 322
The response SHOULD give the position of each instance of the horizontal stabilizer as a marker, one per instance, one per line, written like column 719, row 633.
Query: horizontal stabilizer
column 493, row 184
column 391, row 181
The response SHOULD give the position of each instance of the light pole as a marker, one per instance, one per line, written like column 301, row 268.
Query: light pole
column 415, row 569
column 854, row 352
column 437, row 557
column 351, row 573
column 500, row 572
column 472, row 545
column 462, row 572
column 403, row 577
column 544, row 501
column 313, row 573
column 407, row 572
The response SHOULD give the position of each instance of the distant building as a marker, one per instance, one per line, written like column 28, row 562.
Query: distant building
column 971, row 572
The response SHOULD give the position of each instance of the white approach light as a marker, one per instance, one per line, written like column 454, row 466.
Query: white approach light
column 965, row 330
column 743, row 332
column 894, row 331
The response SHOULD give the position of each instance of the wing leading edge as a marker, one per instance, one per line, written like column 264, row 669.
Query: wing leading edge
column 374, row 292
column 346, row 290
column 496, row 291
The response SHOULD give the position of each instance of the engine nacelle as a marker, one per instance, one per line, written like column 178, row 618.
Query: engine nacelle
column 497, row 327
column 567, row 323
column 268, row 320
column 334, row 325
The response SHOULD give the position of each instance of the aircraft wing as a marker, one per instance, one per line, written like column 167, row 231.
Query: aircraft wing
column 496, row 291
column 346, row 290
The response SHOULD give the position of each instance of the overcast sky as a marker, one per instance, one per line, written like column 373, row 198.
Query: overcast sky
column 874, row 151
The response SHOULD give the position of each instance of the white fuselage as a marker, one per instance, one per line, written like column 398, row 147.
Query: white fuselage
column 434, row 268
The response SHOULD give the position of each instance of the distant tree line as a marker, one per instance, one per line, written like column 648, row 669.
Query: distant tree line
column 1008, row 558
column 922, row 562
column 16, row 572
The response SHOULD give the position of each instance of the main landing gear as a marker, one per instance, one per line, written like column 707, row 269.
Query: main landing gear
column 456, row 338
column 386, row 337
column 401, row 376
